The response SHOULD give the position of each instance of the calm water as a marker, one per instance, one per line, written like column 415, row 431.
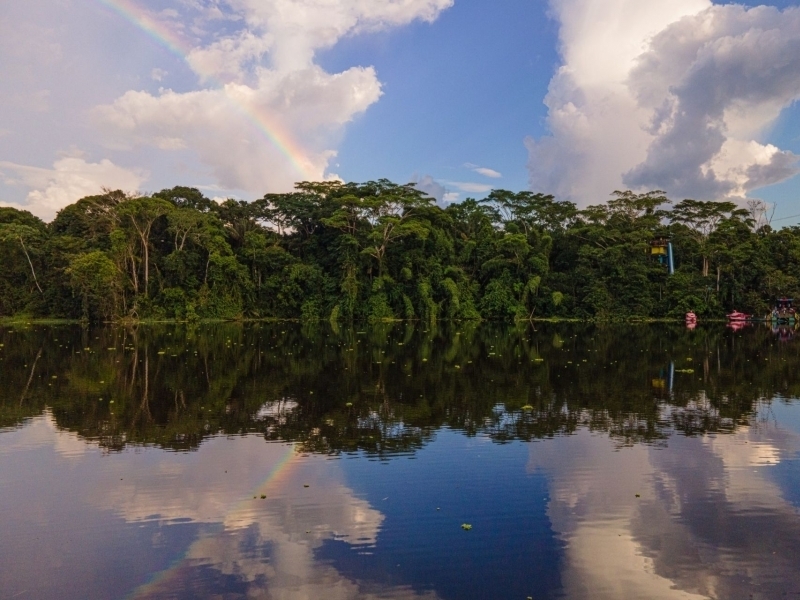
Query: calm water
column 292, row 462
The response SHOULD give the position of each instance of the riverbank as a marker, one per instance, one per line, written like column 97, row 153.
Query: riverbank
column 27, row 320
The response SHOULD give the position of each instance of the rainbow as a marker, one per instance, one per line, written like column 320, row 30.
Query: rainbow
column 279, row 472
column 265, row 123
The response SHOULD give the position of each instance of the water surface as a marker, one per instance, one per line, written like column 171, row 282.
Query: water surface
column 289, row 461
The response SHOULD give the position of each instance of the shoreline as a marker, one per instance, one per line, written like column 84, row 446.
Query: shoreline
column 17, row 320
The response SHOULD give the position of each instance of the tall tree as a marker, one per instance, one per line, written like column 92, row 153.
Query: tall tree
column 702, row 218
column 141, row 213
column 18, row 233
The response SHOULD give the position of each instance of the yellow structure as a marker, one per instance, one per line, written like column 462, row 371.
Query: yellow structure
column 659, row 247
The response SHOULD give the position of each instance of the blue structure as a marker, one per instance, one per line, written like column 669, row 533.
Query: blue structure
column 661, row 248
column 671, row 259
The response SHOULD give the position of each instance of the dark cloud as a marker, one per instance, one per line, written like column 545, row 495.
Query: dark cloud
column 672, row 95
column 715, row 81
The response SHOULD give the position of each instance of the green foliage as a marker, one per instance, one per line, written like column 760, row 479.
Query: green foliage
column 378, row 308
column 175, row 385
column 381, row 251
column 94, row 276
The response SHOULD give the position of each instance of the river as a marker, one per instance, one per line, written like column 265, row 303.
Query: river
column 399, row 461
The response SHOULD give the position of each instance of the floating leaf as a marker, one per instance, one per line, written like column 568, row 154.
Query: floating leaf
column 466, row 526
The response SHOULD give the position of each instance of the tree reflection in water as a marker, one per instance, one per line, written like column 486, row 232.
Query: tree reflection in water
column 386, row 389
column 665, row 473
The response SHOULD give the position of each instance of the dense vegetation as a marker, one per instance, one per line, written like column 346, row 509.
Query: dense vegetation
column 390, row 387
column 382, row 251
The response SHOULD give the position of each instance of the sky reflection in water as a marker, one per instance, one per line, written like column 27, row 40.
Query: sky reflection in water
column 619, row 462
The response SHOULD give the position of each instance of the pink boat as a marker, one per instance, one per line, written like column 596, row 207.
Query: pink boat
column 738, row 325
column 691, row 317
column 738, row 317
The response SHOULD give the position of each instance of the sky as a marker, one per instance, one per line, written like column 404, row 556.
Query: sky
column 577, row 98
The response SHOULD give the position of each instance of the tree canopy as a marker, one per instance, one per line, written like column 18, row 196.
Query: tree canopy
column 380, row 251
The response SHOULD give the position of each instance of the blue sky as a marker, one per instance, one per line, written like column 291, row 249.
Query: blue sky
column 469, row 100
column 571, row 97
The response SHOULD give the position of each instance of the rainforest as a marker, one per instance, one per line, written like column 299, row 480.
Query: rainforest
column 381, row 251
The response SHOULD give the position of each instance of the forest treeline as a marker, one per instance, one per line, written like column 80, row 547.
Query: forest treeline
column 382, row 251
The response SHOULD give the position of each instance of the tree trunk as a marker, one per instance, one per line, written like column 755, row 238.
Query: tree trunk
column 134, row 271
column 28, row 385
column 85, row 305
column 146, row 253
column 25, row 250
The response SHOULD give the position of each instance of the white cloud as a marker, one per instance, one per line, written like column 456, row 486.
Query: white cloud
column 158, row 74
column 248, row 136
column 738, row 69
column 296, row 29
column 279, row 116
column 450, row 198
column 430, row 186
column 670, row 95
column 436, row 190
column 269, row 546
column 485, row 171
column 70, row 179
column 488, row 172
column 636, row 519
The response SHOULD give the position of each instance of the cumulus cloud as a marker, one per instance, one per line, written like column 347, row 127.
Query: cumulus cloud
column 248, row 135
column 430, row 186
column 267, row 546
column 70, row 179
column 450, row 197
column 436, row 190
column 270, row 115
column 670, row 95
column 636, row 521
column 294, row 30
